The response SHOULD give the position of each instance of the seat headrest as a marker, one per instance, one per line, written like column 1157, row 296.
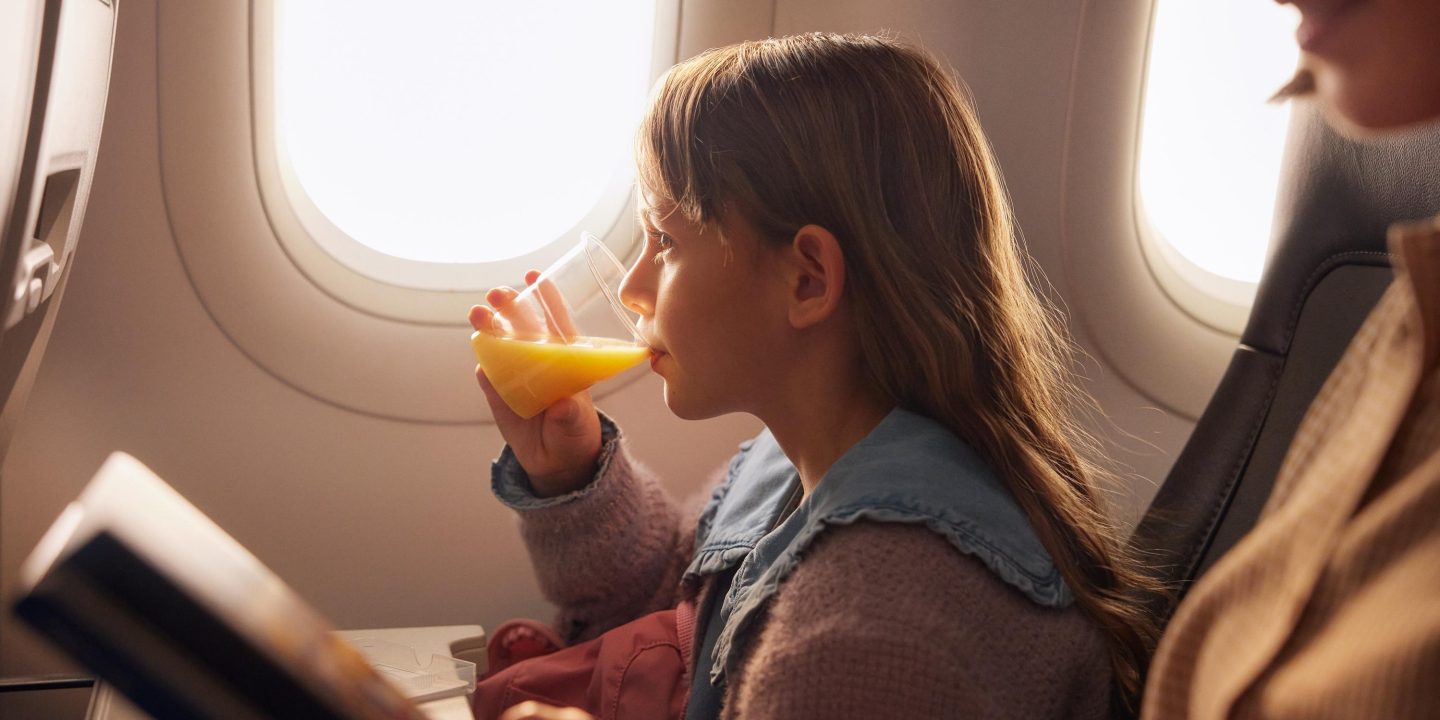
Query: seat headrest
column 1336, row 198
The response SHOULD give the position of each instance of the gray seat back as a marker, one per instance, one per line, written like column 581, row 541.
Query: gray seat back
column 1327, row 269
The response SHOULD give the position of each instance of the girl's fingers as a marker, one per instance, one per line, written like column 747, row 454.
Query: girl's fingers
column 556, row 320
column 559, row 310
column 480, row 317
column 500, row 296
column 508, row 318
column 547, row 320
column 558, row 316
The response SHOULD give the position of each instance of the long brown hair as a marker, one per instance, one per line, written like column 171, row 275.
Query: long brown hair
column 878, row 144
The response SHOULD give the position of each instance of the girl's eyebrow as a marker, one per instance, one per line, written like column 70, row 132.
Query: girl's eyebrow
column 647, row 216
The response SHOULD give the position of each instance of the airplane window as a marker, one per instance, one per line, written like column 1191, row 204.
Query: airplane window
column 447, row 131
column 1211, row 144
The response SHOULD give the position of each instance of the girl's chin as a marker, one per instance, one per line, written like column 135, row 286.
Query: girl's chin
column 680, row 410
column 687, row 408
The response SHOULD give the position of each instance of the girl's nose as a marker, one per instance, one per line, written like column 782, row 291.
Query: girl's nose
column 637, row 288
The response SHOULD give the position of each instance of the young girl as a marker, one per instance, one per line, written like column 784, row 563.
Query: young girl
column 829, row 247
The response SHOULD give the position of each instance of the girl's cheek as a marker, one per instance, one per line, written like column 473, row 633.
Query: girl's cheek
column 660, row 311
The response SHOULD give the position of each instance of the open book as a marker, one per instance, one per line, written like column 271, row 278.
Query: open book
column 136, row 583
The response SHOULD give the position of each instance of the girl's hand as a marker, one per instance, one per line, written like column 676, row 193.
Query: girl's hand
column 557, row 448
column 531, row 710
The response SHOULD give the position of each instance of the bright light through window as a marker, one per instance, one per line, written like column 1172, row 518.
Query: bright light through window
column 1211, row 145
column 458, row 131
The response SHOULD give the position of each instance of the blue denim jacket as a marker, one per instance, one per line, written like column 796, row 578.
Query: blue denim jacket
column 909, row 469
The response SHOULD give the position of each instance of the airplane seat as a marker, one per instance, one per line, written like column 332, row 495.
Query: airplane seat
column 1328, row 267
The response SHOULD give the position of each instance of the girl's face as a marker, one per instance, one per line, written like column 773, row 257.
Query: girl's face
column 709, row 310
column 1376, row 62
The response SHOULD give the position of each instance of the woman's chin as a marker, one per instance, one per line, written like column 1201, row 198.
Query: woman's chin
column 1356, row 118
column 1358, row 105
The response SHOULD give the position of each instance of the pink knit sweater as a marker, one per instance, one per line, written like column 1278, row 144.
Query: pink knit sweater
column 880, row 620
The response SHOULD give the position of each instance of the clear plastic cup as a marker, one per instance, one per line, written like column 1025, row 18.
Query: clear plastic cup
column 563, row 333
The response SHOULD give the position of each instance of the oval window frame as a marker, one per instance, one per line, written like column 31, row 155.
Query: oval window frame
column 411, row 364
column 1220, row 302
column 399, row 288
column 362, row 277
column 1166, row 337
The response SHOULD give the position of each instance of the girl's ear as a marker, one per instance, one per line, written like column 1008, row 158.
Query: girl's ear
column 815, row 274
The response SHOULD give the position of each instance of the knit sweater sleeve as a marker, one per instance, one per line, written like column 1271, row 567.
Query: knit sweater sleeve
column 883, row 620
column 607, row 553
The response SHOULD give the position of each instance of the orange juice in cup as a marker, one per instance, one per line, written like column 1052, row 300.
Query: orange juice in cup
column 531, row 375
column 563, row 333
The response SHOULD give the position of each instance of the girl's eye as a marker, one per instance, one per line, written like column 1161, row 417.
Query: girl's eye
column 661, row 240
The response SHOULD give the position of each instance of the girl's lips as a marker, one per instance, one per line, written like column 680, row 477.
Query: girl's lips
column 655, row 356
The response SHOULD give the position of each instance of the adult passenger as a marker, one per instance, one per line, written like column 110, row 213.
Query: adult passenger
column 1330, row 607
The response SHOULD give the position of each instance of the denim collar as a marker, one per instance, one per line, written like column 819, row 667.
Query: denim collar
column 745, row 508
column 909, row 469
